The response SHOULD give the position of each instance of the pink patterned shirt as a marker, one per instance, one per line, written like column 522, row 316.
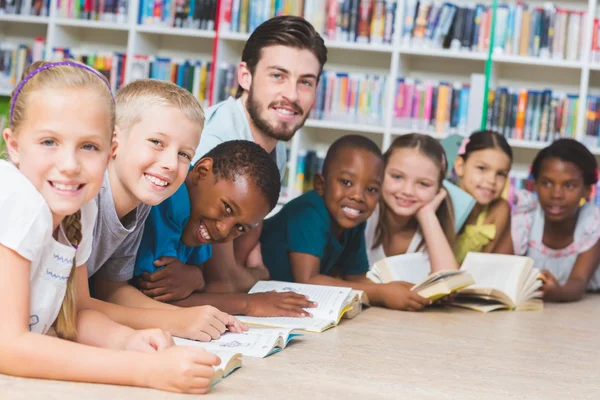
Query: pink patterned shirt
column 528, row 230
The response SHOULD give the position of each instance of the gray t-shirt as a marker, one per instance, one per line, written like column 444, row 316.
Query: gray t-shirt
column 115, row 244
column 227, row 121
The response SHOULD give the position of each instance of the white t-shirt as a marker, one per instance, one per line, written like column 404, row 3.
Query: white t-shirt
column 377, row 253
column 26, row 228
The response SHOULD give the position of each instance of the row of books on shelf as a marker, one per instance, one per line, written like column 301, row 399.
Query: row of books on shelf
column 38, row 8
column 15, row 58
column 548, row 32
column 435, row 107
column 537, row 115
column 193, row 75
column 353, row 20
column 195, row 14
column 363, row 21
column 93, row 10
column 520, row 29
column 350, row 97
column 109, row 64
column 533, row 115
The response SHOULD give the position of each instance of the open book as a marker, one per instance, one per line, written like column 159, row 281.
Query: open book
column 256, row 342
column 333, row 303
column 501, row 282
column 415, row 268
column 229, row 362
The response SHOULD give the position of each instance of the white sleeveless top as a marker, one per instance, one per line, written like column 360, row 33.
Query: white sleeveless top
column 377, row 253
column 26, row 228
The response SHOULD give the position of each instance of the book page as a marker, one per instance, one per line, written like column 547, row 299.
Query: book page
column 437, row 277
column 253, row 343
column 374, row 276
column 307, row 324
column 411, row 267
column 329, row 299
column 497, row 271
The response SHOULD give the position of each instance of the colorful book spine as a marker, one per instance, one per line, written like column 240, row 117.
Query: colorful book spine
column 95, row 10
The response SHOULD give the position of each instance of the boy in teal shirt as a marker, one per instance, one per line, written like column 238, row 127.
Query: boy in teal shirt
column 304, row 225
column 318, row 238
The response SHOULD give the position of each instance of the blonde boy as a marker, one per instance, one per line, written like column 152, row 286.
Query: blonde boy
column 158, row 128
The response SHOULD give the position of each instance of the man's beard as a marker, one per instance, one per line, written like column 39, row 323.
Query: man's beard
column 283, row 132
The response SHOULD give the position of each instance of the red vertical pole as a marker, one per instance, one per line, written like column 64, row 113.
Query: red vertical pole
column 215, row 53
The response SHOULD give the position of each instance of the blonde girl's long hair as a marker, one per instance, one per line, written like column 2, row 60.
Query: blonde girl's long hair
column 433, row 150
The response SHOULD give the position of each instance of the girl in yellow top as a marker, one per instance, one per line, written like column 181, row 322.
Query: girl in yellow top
column 482, row 166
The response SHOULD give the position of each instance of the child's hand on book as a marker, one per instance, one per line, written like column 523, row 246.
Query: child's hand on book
column 204, row 323
column 148, row 341
column 276, row 304
column 433, row 205
column 175, row 281
column 182, row 369
column 550, row 284
column 396, row 296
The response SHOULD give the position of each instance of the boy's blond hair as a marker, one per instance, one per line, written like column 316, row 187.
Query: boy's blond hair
column 142, row 94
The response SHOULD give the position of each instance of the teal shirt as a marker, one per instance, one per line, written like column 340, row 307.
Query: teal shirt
column 304, row 226
column 162, row 235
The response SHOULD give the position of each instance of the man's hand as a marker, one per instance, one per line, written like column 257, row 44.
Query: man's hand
column 175, row 281
column 275, row 304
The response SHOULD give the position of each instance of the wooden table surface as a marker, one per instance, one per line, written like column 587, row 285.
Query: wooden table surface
column 437, row 354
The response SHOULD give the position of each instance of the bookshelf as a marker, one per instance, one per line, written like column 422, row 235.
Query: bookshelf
column 395, row 60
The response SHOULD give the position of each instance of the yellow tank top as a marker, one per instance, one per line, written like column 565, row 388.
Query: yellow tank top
column 474, row 237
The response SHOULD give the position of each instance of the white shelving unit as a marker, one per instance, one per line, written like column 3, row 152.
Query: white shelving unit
column 393, row 60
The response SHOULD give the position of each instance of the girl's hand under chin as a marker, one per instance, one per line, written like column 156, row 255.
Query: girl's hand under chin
column 433, row 205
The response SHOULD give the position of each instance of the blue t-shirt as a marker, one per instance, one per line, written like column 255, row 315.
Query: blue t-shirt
column 304, row 226
column 162, row 234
